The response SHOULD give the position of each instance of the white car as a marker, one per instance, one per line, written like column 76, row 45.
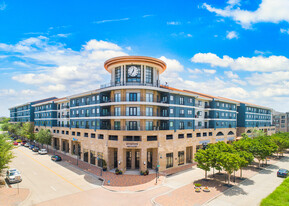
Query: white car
column 42, row 151
column 13, row 176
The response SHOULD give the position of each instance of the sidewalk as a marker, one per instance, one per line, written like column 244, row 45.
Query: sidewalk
column 10, row 196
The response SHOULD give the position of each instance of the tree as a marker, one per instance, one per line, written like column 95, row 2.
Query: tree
column 27, row 131
column 246, row 158
column 5, row 127
column 230, row 162
column 44, row 137
column 6, row 154
column 281, row 140
column 202, row 157
column 257, row 133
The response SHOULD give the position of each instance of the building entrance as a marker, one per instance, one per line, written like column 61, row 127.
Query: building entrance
column 128, row 159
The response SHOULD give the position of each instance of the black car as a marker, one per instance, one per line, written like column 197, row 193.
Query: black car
column 35, row 149
column 56, row 158
column 282, row 173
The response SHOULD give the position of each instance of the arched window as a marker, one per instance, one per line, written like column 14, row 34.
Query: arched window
column 220, row 134
column 231, row 133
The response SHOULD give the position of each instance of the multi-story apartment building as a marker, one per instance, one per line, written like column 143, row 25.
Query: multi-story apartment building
column 281, row 121
column 25, row 112
column 134, row 122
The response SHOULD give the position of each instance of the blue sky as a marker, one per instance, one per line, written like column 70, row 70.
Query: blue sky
column 232, row 48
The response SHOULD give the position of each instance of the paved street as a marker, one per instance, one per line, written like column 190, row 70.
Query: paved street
column 253, row 190
column 47, row 179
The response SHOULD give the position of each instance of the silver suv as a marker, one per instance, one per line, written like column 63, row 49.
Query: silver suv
column 13, row 176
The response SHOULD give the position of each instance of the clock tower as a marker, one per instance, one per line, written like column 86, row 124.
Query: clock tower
column 135, row 70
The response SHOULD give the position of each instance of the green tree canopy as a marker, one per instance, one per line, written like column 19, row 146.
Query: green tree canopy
column 202, row 157
column 6, row 154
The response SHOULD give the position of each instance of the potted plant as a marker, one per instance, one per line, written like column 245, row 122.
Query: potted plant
column 116, row 171
column 197, row 185
column 141, row 173
column 206, row 189
column 197, row 190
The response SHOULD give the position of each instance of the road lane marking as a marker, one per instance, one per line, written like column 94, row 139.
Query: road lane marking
column 53, row 188
column 52, row 171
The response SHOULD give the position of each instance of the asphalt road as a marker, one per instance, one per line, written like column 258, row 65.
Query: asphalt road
column 47, row 179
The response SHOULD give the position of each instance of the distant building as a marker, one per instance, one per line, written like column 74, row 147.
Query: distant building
column 281, row 121
column 136, row 123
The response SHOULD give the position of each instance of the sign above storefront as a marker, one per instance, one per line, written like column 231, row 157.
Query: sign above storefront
column 132, row 144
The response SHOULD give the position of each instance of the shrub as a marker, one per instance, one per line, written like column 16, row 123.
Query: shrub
column 198, row 185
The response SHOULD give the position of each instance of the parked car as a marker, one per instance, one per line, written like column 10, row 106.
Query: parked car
column 15, row 143
column 23, row 142
column 56, row 158
column 35, row 149
column 42, row 151
column 13, row 176
column 27, row 145
column 31, row 147
column 282, row 173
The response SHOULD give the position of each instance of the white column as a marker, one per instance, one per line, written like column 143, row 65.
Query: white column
column 144, row 74
column 121, row 74
column 113, row 76
column 124, row 74
column 141, row 72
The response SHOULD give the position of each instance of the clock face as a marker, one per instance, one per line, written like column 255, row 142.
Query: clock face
column 132, row 71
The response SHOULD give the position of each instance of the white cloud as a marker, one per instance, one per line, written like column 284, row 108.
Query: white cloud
column 195, row 71
column 284, row 31
column 265, row 79
column 173, row 23
column 231, row 75
column 212, row 59
column 110, row 20
column 232, row 35
column 128, row 48
column 63, row 35
column 266, row 12
column 258, row 63
column 189, row 35
column 209, row 71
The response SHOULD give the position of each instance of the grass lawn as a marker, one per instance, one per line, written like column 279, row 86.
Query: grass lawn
column 280, row 196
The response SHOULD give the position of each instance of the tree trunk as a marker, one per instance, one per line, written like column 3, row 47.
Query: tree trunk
column 213, row 172
column 229, row 176
column 266, row 160
column 241, row 172
column 206, row 175
column 259, row 163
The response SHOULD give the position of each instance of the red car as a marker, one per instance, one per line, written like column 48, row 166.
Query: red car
column 15, row 143
column 23, row 143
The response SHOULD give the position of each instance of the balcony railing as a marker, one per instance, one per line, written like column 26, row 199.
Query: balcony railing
column 113, row 84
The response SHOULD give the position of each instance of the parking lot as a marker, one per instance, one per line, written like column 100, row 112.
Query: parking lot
column 47, row 179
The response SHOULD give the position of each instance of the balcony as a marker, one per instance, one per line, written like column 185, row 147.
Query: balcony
column 65, row 107
column 113, row 84
column 64, row 116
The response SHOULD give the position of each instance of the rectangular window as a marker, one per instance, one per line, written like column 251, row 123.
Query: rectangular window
column 169, row 136
column 149, row 97
column 181, row 136
column 170, row 160
column 182, row 125
column 181, row 100
column 92, row 135
column 189, row 135
column 210, row 133
column 152, row 138
column 133, row 97
column 116, row 125
column 149, row 75
column 182, row 111
column 113, row 137
column 100, row 136
column 172, row 98
column 190, row 111
column 117, row 111
column 171, row 124
column 171, row 111
column 149, row 111
column 181, row 158
column 198, row 134
column 117, row 97
column 85, row 134
column 149, row 125
column 117, row 75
